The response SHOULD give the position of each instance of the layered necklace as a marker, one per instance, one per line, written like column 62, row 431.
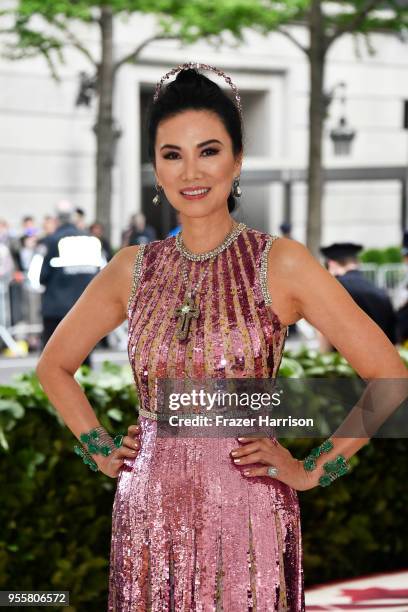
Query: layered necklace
column 189, row 310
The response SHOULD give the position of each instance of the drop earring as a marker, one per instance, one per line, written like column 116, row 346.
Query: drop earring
column 236, row 189
column 156, row 199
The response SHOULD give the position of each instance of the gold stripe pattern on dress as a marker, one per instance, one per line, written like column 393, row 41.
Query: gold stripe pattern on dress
column 136, row 272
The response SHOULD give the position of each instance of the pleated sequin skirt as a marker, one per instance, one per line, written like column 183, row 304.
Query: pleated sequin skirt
column 191, row 533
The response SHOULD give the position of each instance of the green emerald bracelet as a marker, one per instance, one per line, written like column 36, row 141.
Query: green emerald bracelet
column 97, row 441
column 86, row 457
column 309, row 463
column 335, row 468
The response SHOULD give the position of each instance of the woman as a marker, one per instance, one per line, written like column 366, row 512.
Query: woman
column 206, row 523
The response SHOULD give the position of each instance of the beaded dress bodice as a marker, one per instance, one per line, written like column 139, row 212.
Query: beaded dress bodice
column 237, row 333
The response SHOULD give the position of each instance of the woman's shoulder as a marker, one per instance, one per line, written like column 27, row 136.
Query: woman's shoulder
column 290, row 259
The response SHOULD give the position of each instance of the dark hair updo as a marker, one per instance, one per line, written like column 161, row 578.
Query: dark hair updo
column 192, row 90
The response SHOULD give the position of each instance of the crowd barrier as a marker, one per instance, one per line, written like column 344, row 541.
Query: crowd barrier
column 20, row 312
column 20, row 316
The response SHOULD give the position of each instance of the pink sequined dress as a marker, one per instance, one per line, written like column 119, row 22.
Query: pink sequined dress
column 190, row 532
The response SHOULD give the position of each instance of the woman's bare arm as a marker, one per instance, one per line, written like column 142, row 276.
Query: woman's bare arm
column 100, row 309
column 309, row 291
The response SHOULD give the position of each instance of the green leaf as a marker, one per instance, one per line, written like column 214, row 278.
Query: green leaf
column 13, row 407
column 115, row 414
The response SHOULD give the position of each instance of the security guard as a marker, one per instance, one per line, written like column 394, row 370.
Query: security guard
column 72, row 258
column 342, row 262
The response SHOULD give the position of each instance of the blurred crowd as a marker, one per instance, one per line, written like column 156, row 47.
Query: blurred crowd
column 18, row 245
column 45, row 266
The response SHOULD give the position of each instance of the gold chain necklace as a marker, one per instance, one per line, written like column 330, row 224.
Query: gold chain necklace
column 189, row 309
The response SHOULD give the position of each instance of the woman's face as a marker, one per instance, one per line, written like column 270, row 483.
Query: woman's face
column 194, row 150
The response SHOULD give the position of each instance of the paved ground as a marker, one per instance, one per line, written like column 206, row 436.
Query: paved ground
column 376, row 593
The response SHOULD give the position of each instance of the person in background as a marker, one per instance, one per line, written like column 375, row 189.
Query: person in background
column 97, row 229
column 126, row 232
column 49, row 225
column 29, row 227
column 6, row 235
column 342, row 263
column 286, row 229
column 28, row 245
column 68, row 267
column 14, row 240
column 139, row 232
column 79, row 219
column 7, row 268
column 7, row 265
column 15, row 243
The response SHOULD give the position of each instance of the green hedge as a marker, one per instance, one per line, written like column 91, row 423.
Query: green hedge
column 387, row 255
column 56, row 514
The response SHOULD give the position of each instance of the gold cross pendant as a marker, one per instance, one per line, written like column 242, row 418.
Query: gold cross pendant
column 186, row 312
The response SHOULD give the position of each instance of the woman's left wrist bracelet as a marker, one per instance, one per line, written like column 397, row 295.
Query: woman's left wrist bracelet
column 332, row 469
column 309, row 463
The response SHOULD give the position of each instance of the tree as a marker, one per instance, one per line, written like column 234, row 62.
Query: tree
column 326, row 23
column 189, row 21
column 47, row 28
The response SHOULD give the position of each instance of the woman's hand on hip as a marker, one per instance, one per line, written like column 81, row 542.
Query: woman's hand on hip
column 112, row 464
column 270, row 452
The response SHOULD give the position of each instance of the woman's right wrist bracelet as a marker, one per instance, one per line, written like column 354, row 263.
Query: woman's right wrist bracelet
column 97, row 441
column 86, row 457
